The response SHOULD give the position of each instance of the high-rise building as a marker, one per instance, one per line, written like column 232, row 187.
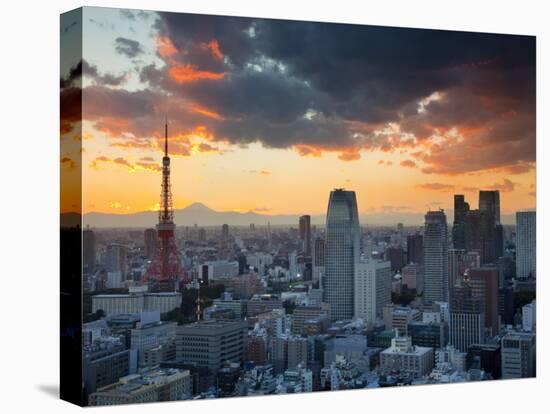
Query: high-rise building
column 436, row 281
column 529, row 317
column 484, row 284
column 459, row 262
column 116, row 259
column 201, row 234
column 318, row 265
column 224, row 236
column 297, row 352
column 372, row 289
column 480, row 235
column 341, row 253
column 400, row 228
column 256, row 349
column 467, row 317
column 292, row 265
column 506, row 305
column 518, row 353
column 489, row 202
column 394, row 255
column 279, row 353
column 461, row 207
column 526, row 244
column 482, row 229
column 150, row 238
column 411, row 277
column 305, row 234
column 88, row 250
column 415, row 249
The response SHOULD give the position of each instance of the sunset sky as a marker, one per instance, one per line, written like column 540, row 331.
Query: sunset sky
column 269, row 116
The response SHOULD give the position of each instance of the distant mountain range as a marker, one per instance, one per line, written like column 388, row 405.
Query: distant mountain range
column 202, row 215
column 196, row 213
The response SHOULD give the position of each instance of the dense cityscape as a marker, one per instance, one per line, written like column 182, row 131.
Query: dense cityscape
column 183, row 311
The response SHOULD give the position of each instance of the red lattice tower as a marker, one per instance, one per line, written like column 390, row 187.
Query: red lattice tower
column 166, row 265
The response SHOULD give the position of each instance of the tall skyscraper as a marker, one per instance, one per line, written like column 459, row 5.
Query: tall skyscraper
column 341, row 253
column 305, row 234
column 150, row 237
column 480, row 235
column 461, row 207
column 292, row 265
column 489, row 201
column 436, row 278
column 526, row 244
column 88, row 250
column 224, row 236
column 415, row 249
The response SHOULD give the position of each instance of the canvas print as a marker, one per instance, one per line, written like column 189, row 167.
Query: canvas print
column 252, row 206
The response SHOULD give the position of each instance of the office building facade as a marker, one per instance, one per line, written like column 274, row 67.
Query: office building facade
column 435, row 258
column 341, row 253
column 526, row 244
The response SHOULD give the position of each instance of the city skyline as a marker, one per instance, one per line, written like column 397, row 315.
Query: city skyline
column 331, row 212
column 465, row 123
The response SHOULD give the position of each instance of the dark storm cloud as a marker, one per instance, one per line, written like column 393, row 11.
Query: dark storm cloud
column 107, row 79
column 73, row 78
column 128, row 47
column 189, row 30
column 84, row 68
column 331, row 87
column 122, row 104
column 70, row 99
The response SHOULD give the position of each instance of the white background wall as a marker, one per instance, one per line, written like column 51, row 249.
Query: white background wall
column 29, row 98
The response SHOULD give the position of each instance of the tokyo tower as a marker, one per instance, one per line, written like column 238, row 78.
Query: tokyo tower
column 166, row 269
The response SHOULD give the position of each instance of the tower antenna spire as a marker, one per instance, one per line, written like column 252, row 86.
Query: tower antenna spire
column 165, row 269
column 165, row 136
